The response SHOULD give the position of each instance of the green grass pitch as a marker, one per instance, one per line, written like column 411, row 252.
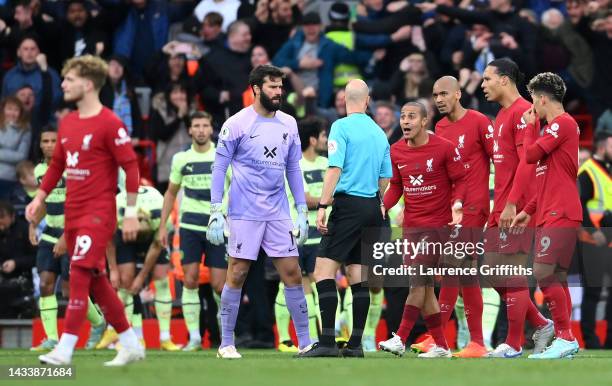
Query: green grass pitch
column 270, row 368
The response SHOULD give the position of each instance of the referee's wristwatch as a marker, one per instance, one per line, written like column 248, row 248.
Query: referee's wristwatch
column 322, row 206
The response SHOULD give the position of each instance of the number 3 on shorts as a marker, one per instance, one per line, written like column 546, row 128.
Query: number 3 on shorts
column 82, row 245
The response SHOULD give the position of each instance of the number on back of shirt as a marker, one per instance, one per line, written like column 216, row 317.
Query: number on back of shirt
column 82, row 245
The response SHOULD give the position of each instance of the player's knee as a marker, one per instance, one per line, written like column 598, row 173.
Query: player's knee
column 191, row 282
column 47, row 287
column 237, row 276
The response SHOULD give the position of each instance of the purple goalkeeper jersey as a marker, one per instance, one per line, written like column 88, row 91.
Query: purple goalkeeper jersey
column 260, row 150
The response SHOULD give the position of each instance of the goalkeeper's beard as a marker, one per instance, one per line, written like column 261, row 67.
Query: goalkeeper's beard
column 268, row 103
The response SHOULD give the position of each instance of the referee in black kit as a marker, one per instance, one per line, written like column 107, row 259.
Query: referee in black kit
column 358, row 174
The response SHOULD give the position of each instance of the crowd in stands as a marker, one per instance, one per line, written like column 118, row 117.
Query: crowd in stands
column 168, row 58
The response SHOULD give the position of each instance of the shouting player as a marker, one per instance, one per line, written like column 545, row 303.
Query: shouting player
column 471, row 133
column 428, row 171
column 557, row 208
column 92, row 145
column 513, row 189
column 51, row 258
column 263, row 146
column 192, row 170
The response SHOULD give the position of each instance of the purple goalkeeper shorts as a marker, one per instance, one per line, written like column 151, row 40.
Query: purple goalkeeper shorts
column 248, row 236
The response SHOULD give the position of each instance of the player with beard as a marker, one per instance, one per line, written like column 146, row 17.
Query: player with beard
column 471, row 133
column 514, row 188
column 92, row 145
column 263, row 146
column 192, row 170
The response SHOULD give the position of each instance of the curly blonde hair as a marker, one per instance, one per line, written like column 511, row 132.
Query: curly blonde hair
column 89, row 67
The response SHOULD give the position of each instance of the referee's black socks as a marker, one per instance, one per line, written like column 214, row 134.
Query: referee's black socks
column 361, row 305
column 328, row 302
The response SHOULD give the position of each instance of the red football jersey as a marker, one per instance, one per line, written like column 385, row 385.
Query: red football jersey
column 556, row 173
column 473, row 137
column 90, row 150
column 507, row 143
column 425, row 175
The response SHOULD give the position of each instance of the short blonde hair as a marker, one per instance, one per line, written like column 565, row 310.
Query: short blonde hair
column 90, row 67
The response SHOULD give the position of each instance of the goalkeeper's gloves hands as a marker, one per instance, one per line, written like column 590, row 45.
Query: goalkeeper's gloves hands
column 301, row 227
column 216, row 225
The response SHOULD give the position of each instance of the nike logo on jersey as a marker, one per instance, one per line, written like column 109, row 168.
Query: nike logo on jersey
column 292, row 249
column 401, row 166
column 254, row 136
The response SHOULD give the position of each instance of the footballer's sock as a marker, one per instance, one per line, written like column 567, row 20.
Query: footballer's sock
column 409, row 318
column 315, row 297
column 128, row 338
column 80, row 282
column 361, row 304
column 93, row 314
column 463, row 334
column 554, row 295
column 163, row 307
column 296, row 304
column 48, row 315
column 109, row 303
column 191, row 312
column 376, row 302
column 67, row 343
column 568, row 298
column 328, row 302
column 313, row 310
column 230, row 302
column 347, row 309
column 473, row 303
column 137, row 325
column 128, row 302
column 517, row 301
column 490, row 310
column 281, row 314
column 433, row 323
column 448, row 297
column 534, row 316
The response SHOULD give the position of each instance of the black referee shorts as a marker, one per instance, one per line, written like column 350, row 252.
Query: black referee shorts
column 349, row 218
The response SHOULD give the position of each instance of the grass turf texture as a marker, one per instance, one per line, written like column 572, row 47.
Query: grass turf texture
column 267, row 367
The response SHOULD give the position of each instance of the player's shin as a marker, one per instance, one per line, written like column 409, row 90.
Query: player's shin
column 361, row 304
column 163, row 307
column 328, row 302
column 230, row 303
column 48, row 315
column 191, row 312
column 296, row 304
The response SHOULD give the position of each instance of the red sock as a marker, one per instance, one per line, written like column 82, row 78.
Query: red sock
column 568, row 299
column 472, row 301
column 76, row 312
column 434, row 326
column 409, row 318
column 534, row 316
column 557, row 304
column 109, row 303
column 517, row 302
column 448, row 297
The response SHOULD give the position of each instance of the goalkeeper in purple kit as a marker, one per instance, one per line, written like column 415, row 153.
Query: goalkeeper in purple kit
column 263, row 147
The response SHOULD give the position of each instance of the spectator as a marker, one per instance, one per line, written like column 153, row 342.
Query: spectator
column 598, row 33
column 512, row 36
column 28, row 23
column 411, row 80
column 145, row 31
column 223, row 74
column 168, row 68
column 385, row 116
column 32, row 70
column 118, row 95
column 273, row 23
column 16, row 263
column 26, row 190
column 211, row 31
column 169, row 127
column 15, row 137
column 80, row 33
column 226, row 8
column 313, row 57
